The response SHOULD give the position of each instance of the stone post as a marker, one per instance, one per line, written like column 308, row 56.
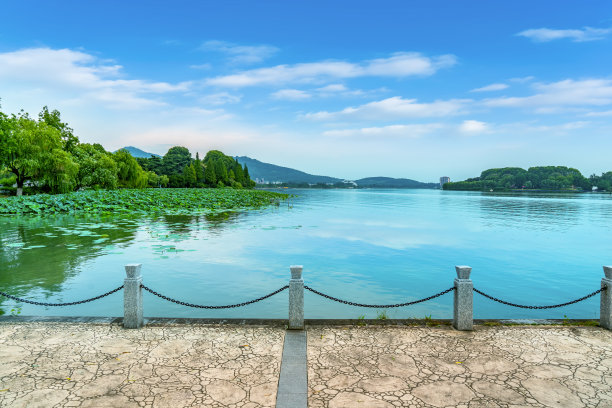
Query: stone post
column 132, row 297
column 296, row 298
column 605, row 305
column 464, row 294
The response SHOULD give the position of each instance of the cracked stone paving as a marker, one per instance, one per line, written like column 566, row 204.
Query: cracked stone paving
column 93, row 365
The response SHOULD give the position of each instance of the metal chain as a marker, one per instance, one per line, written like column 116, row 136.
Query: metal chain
column 213, row 307
column 540, row 307
column 32, row 302
column 346, row 302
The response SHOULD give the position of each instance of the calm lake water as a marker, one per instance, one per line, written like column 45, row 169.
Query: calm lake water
column 368, row 246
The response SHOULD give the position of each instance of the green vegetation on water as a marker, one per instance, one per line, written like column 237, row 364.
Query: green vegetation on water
column 131, row 201
column 550, row 178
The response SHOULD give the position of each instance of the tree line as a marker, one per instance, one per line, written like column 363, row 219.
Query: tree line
column 534, row 178
column 45, row 155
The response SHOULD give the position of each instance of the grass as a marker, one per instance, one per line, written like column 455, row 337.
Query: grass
column 147, row 201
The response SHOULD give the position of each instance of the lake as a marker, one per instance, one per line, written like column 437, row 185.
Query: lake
column 367, row 246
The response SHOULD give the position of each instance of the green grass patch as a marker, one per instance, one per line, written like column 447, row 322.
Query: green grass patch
column 147, row 201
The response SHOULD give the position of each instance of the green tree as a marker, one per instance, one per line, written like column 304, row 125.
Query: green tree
column 247, row 178
column 175, row 160
column 60, row 172
column 221, row 172
column 97, row 168
column 210, row 177
column 129, row 174
column 199, row 170
column 189, row 174
column 53, row 119
column 28, row 152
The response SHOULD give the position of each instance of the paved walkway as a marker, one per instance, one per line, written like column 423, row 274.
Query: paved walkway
column 89, row 365
column 525, row 366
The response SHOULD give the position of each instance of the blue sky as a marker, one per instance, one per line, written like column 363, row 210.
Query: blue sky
column 415, row 89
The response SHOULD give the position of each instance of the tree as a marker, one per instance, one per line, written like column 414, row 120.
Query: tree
column 210, row 177
column 189, row 174
column 175, row 160
column 28, row 152
column 97, row 168
column 199, row 170
column 53, row 119
column 60, row 172
column 129, row 174
column 248, row 183
column 221, row 172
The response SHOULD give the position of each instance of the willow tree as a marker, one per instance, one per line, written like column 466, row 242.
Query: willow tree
column 32, row 151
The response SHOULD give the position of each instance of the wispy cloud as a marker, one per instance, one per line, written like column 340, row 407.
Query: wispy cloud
column 576, row 35
column 473, row 127
column 201, row 66
column 395, row 108
column 491, row 88
column 404, row 131
column 240, row 54
column 220, row 98
column 562, row 94
column 291, row 95
column 398, row 65
column 600, row 114
column 80, row 77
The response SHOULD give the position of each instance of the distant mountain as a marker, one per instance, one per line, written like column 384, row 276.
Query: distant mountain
column 270, row 173
column 388, row 182
column 136, row 152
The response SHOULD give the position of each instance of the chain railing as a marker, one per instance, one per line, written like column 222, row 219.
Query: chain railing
column 463, row 289
column 571, row 302
column 33, row 302
column 169, row 299
column 346, row 302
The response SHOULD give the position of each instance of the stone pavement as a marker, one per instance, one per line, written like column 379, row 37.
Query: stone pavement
column 87, row 365
column 91, row 365
column 526, row 366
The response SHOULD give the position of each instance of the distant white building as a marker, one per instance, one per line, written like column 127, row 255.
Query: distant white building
column 443, row 180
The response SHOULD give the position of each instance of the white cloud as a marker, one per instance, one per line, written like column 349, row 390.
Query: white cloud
column 78, row 77
column 563, row 94
column 333, row 88
column 291, row 95
column 489, row 88
column 404, row 131
column 473, row 127
column 600, row 114
column 204, row 66
column 576, row 35
column 220, row 98
column 241, row 54
column 398, row 65
column 522, row 80
column 395, row 108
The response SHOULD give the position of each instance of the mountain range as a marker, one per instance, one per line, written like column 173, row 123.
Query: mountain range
column 273, row 173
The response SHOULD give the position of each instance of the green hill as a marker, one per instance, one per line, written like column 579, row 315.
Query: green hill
column 272, row 173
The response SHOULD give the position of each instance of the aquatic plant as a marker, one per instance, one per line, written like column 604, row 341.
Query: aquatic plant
column 130, row 201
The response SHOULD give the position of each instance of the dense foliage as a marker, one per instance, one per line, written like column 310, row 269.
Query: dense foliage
column 215, row 170
column 128, row 201
column 535, row 178
column 45, row 156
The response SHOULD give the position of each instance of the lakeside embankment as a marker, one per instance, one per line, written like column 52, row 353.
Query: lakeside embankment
column 104, row 365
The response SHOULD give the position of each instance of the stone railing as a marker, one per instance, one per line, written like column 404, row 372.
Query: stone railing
column 463, row 289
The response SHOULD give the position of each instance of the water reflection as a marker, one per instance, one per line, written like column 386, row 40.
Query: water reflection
column 42, row 253
column 530, row 212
